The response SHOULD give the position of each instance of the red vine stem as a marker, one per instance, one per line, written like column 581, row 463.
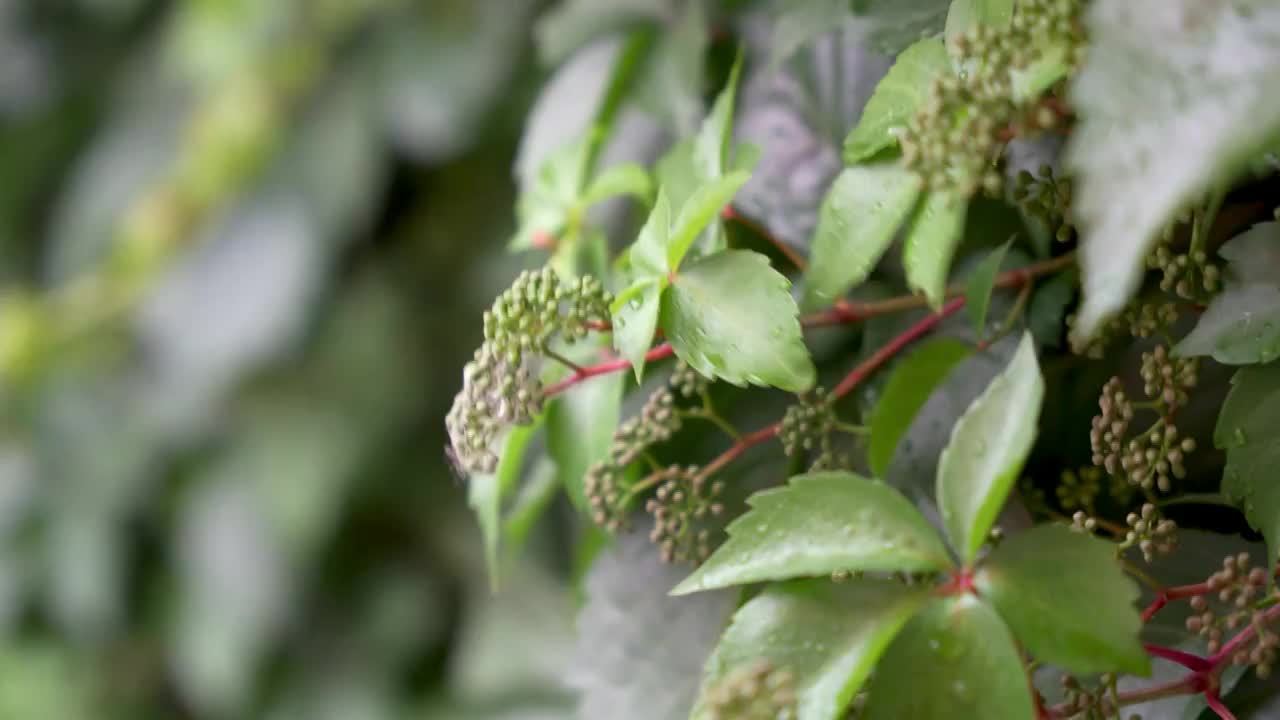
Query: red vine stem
column 841, row 314
column 882, row 355
column 657, row 353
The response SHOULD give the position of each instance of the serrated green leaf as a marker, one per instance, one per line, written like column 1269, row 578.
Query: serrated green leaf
column 1175, row 98
column 622, row 179
column 1249, row 430
column 699, row 211
column 955, row 659
column 990, row 442
column 818, row 524
column 806, row 628
column 965, row 15
column 899, row 95
column 1240, row 327
column 977, row 291
column 635, row 320
column 649, row 252
column 485, row 493
column 676, row 173
column 932, row 237
column 711, row 146
column 859, row 217
column 1242, row 324
column 730, row 316
column 1066, row 599
column 911, row 384
column 580, row 426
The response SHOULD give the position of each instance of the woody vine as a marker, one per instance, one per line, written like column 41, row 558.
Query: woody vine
column 1022, row 583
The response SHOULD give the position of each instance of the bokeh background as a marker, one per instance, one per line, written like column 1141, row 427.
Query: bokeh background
column 244, row 248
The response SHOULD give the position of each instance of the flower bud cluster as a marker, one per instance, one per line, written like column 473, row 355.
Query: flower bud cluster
column 1079, row 489
column 609, row 488
column 1152, row 534
column 1106, row 437
column 1234, row 590
column 1168, row 379
column 951, row 142
column 756, row 692
column 500, row 386
column 1048, row 198
column 539, row 306
column 681, row 507
column 808, row 426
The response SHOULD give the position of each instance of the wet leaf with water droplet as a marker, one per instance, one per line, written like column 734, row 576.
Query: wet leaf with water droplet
column 1242, row 324
column 729, row 316
column 859, row 217
column 805, row 534
column 955, row 659
column 1066, row 599
column 901, row 93
column 932, row 237
column 1249, row 430
column 987, row 448
column 806, row 628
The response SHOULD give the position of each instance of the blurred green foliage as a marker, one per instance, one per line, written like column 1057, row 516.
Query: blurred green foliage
column 243, row 246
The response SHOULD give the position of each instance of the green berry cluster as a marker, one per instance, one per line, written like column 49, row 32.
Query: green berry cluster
column 1141, row 319
column 1167, row 379
column 609, row 488
column 1047, row 198
column 1150, row 532
column 1235, row 588
column 500, row 386
column 1079, row 490
column 1090, row 701
column 807, row 427
column 756, row 692
column 538, row 306
column 681, row 507
column 1188, row 275
column 1154, row 457
column 496, row 394
column 952, row 141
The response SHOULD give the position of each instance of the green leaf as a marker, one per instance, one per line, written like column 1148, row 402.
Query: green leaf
column 892, row 25
column 699, row 210
column 806, row 628
column 486, row 491
column 676, row 174
column 931, row 241
column 580, row 426
column 955, row 659
column 544, row 207
column 862, row 211
column 649, row 253
column 987, row 448
column 1249, row 430
column 1048, row 307
column 1242, row 324
column 899, row 95
column 965, row 15
column 711, row 146
column 730, row 316
column 1066, row 599
column 635, row 320
column 911, row 384
column 622, row 179
column 533, row 500
column 816, row 525
column 1176, row 97
column 977, row 292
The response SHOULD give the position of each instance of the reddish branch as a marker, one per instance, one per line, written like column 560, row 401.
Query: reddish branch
column 1203, row 672
column 617, row 364
column 891, row 348
column 842, row 313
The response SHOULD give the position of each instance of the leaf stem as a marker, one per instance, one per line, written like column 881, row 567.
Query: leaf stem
column 883, row 354
column 657, row 353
